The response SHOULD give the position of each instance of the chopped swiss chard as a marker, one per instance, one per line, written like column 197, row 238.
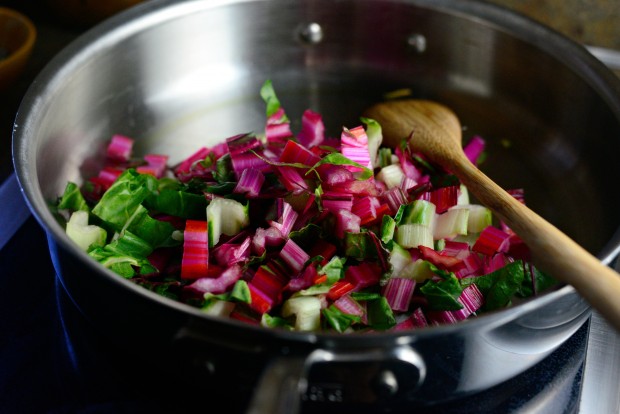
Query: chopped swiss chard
column 302, row 231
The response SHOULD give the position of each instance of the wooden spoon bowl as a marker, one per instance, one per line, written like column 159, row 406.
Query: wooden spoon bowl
column 435, row 131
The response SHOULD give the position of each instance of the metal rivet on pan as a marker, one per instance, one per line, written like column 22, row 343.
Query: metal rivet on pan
column 385, row 384
column 310, row 33
column 417, row 42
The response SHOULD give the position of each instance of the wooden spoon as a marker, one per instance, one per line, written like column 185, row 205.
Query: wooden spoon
column 435, row 131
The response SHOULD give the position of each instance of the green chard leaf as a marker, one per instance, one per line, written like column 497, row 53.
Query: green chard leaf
column 72, row 199
column 155, row 232
column 241, row 292
column 120, row 202
column 388, row 227
column 275, row 322
column 500, row 286
column 124, row 265
column 269, row 96
column 178, row 203
column 380, row 315
column 334, row 269
column 360, row 246
column 444, row 294
column 129, row 245
column 224, row 172
column 361, row 296
column 339, row 320
column 306, row 236
column 535, row 281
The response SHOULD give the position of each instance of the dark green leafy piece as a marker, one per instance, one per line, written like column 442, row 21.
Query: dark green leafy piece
column 72, row 199
column 223, row 189
column 444, row 294
column 119, row 203
column 271, row 100
column 167, row 288
column 534, row 282
column 334, row 269
column 155, row 232
column 339, row 320
column 276, row 322
column 365, row 296
column 388, row 227
column 178, row 203
column 307, row 236
column 122, row 264
column 224, row 171
column 360, row 246
column 380, row 315
column 500, row 286
column 240, row 292
column 129, row 245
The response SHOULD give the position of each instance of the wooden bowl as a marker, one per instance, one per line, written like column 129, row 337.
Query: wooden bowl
column 17, row 37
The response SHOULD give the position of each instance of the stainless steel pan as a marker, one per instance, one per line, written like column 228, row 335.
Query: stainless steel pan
column 179, row 74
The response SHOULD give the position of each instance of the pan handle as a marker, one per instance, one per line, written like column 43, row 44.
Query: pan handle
column 13, row 209
column 374, row 377
column 280, row 387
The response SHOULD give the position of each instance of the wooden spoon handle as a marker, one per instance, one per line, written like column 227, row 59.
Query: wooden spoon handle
column 552, row 251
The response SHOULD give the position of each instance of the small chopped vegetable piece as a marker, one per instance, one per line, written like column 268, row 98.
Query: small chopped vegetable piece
column 216, row 307
column 294, row 152
column 218, row 284
column 380, row 315
column 419, row 212
column 339, row 288
column 419, row 270
column 444, row 197
column 259, row 300
column 250, row 182
column 399, row 259
column 312, row 129
column 122, row 199
column 474, row 149
column 346, row 304
column 375, row 138
column 83, row 234
column 306, row 310
column 443, row 294
column 225, row 216
column 156, row 165
column 499, row 286
column 392, row 175
column 451, row 224
column 363, row 275
column 195, row 262
column 354, row 146
column 338, row 320
column 294, row 256
column 120, row 148
column 398, row 292
column 479, row 217
column 491, row 241
column 414, row 235
column 72, row 199
column 471, row 299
